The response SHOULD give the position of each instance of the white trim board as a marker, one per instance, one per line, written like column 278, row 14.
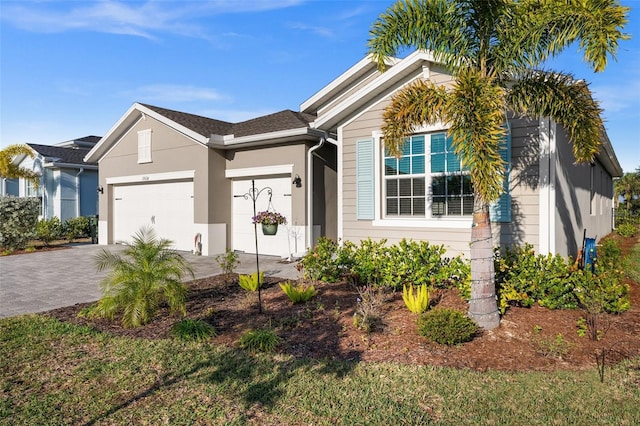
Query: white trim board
column 151, row 177
column 281, row 169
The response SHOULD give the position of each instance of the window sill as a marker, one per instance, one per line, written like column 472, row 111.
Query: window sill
column 445, row 222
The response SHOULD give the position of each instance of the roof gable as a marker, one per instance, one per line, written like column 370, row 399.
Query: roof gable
column 58, row 154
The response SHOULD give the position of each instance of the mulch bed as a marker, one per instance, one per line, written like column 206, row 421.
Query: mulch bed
column 323, row 328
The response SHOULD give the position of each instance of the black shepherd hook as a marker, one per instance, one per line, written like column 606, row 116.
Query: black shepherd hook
column 253, row 194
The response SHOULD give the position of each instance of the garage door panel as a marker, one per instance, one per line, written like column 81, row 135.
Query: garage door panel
column 243, row 238
column 166, row 207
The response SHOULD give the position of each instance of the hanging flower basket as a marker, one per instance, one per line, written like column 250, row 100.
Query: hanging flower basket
column 269, row 221
column 269, row 229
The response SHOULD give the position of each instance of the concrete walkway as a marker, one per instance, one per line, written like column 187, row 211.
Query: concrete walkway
column 38, row 282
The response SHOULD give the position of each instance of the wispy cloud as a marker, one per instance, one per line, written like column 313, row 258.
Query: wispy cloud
column 171, row 93
column 148, row 19
column 315, row 29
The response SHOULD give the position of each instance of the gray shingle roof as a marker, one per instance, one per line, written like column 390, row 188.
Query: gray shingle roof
column 201, row 125
column 61, row 154
column 283, row 120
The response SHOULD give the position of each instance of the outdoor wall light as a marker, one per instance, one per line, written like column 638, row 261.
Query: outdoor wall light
column 297, row 181
column 100, row 189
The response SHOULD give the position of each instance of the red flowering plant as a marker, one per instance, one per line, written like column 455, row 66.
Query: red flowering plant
column 270, row 218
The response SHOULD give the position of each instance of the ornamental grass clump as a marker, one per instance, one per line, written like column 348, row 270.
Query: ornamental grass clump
column 260, row 340
column 298, row 293
column 417, row 302
column 251, row 282
column 269, row 218
column 446, row 326
column 192, row 330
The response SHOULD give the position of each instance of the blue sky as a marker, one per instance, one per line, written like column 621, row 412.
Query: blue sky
column 72, row 68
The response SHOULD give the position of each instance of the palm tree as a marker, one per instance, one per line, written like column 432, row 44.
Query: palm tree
column 492, row 48
column 628, row 186
column 150, row 273
column 9, row 170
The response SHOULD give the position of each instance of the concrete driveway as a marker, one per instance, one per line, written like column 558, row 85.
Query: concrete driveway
column 38, row 282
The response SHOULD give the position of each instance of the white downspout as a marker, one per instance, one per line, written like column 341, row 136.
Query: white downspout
column 78, row 192
column 309, row 233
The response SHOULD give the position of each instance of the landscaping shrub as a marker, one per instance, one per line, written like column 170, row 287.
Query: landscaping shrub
column 602, row 291
column 627, row 230
column 523, row 278
column 446, row 326
column 369, row 259
column 228, row 262
column 260, row 340
column 18, row 221
column 49, row 230
column 417, row 302
column 147, row 274
column 192, row 330
column 323, row 262
column 251, row 282
column 609, row 253
column 368, row 313
column 76, row 227
column 298, row 293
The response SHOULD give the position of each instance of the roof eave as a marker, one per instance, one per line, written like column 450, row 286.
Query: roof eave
column 261, row 139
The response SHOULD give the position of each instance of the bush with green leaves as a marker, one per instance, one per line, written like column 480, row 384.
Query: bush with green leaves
column 49, row 230
column 298, row 293
column 417, row 302
column 76, row 227
column 260, row 340
column 609, row 253
column 192, row 330
column 524, row 278
column 627, row 230
column 146, row 274
column 602, row 291
column 326, row 261
column 251, row 282
column 446, row 326
column 228, row 262
column 18, row 221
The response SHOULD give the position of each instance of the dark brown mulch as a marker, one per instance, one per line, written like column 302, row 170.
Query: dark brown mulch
column 323, row 328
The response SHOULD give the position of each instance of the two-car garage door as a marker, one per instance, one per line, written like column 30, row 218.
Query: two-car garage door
column 165, row 206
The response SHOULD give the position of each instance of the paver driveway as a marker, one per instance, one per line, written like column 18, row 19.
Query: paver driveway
column 38, row 282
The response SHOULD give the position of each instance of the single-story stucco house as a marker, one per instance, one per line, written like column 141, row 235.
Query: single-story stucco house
column 67, row 183
column 187, row 175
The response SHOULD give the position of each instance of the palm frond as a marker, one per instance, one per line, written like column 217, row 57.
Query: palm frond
column 477, row 116
column 554, row 25
column 437, row 26
column 422, row 102
column 568, row 101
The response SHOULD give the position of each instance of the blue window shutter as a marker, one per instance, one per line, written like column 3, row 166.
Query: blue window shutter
column 364, row 180
column 500, row 210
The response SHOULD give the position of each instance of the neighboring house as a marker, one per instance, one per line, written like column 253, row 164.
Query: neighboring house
column 426, row 195
column 67, row 185
column 190, row 178
column 188, row 175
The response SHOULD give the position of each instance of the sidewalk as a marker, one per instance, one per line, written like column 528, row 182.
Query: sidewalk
column 38, row 282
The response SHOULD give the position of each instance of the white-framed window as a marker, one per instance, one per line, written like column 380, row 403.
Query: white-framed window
column 144, row 146
column 30, row 189
column 427, row 181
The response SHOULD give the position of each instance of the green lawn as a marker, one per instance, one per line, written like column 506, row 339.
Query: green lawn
column 55, row 373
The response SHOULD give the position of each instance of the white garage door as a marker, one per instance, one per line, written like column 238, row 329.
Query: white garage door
column 166, row 207
column 242, row 227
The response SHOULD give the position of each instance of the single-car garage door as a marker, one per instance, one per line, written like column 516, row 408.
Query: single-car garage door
column 167, row 207
column 242, row 228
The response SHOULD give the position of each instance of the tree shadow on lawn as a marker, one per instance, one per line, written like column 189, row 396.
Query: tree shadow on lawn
column 251, row 379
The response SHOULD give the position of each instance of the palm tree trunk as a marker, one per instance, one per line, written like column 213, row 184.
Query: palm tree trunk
column 483, row 307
